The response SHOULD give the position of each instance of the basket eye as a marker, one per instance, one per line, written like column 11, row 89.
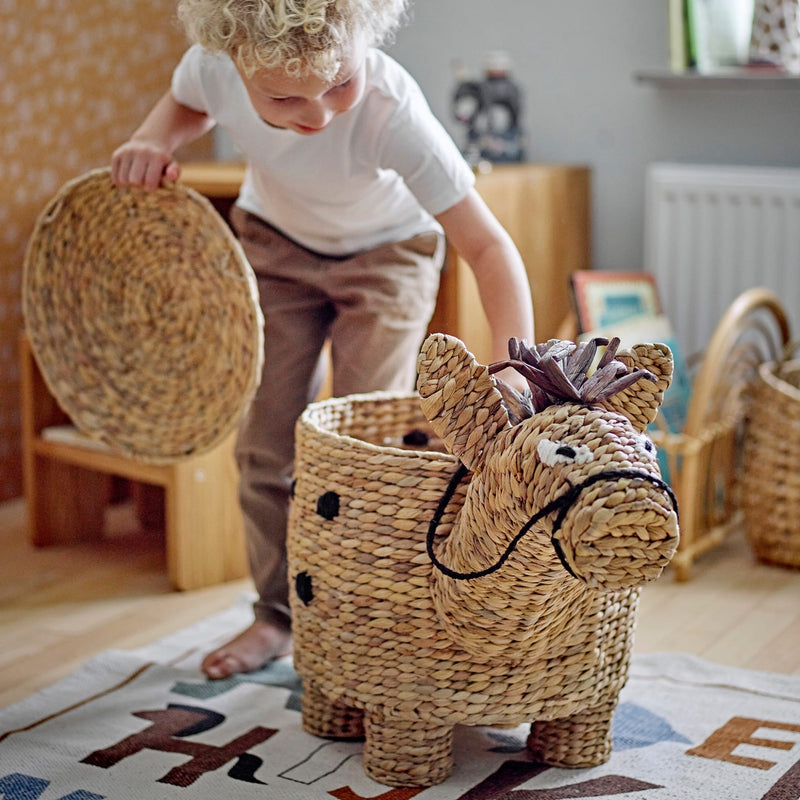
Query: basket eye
column 644, row 447
column 557, row 452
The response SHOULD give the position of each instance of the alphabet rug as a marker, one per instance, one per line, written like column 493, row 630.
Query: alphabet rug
column 146, row 724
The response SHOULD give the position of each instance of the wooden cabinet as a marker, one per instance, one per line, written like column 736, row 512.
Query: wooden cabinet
column 544, row 207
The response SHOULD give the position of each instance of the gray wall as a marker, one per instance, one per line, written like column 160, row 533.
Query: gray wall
column 575, row 60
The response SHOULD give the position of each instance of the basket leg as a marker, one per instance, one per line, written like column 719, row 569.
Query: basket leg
column 323, row 718
column 405, row 753
column 582, row 740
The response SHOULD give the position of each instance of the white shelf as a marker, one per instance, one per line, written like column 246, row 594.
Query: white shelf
column 723, row 78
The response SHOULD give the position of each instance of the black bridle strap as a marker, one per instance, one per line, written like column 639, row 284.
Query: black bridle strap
column 562, row 504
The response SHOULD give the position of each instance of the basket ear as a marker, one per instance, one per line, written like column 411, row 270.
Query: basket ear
column 640, row 401
column 459, row 398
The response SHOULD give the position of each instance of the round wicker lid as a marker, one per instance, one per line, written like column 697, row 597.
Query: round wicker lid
column 142, row 313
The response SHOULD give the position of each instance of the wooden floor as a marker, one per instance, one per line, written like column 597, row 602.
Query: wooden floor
column 61, row 605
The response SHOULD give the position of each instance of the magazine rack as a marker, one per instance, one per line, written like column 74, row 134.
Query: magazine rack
column 705, row 458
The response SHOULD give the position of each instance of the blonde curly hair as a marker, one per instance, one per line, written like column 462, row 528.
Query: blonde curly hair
column 302, row 36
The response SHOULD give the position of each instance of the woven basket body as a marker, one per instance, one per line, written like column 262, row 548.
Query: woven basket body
column 143, row 316
column 391, row 647
column 771, row 487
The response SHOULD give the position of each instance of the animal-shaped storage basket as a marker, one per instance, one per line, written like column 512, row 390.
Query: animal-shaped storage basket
column 492, row 584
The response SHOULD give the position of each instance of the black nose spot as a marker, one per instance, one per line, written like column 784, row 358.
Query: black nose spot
column 304, row 588
column 292, row 489
column 566, row 451
column 328, row 505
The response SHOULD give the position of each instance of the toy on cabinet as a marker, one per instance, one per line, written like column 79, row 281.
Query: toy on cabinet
column 492, row 584
column 490, row 109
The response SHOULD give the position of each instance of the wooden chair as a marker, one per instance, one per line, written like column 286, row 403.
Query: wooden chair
column 68, row 488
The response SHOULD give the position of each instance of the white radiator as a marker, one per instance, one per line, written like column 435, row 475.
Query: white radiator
column 712, row 232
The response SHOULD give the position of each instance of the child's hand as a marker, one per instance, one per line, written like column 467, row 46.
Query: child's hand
column 514, row 379
column 142, row 163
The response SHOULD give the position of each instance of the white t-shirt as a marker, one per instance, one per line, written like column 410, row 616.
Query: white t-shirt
column 378, row 173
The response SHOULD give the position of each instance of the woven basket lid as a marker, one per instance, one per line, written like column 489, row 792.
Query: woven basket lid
column 143, row 316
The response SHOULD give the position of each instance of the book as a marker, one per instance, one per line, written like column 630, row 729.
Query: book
column 679, row 55
column 719, row 32
column 627, row 305
column 602, row 297
column 657, row 328
column 675, row 403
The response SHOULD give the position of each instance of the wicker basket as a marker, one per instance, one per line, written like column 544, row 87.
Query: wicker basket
column 143, row 316
column 771, row 496
column 352, row 469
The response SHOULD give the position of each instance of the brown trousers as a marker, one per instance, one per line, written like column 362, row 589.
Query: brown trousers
column 374, row 307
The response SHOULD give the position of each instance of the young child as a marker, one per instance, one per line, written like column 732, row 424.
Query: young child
column 350, row 185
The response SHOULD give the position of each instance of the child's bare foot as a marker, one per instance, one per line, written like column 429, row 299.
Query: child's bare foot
column 248, row 651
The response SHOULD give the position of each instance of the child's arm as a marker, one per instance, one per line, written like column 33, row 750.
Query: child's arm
column 497, row 265
column 147, row 156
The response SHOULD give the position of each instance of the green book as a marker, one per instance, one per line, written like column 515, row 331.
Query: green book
column 679, row 56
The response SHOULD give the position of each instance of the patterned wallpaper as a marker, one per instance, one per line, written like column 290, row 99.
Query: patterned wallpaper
column 76, row 77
